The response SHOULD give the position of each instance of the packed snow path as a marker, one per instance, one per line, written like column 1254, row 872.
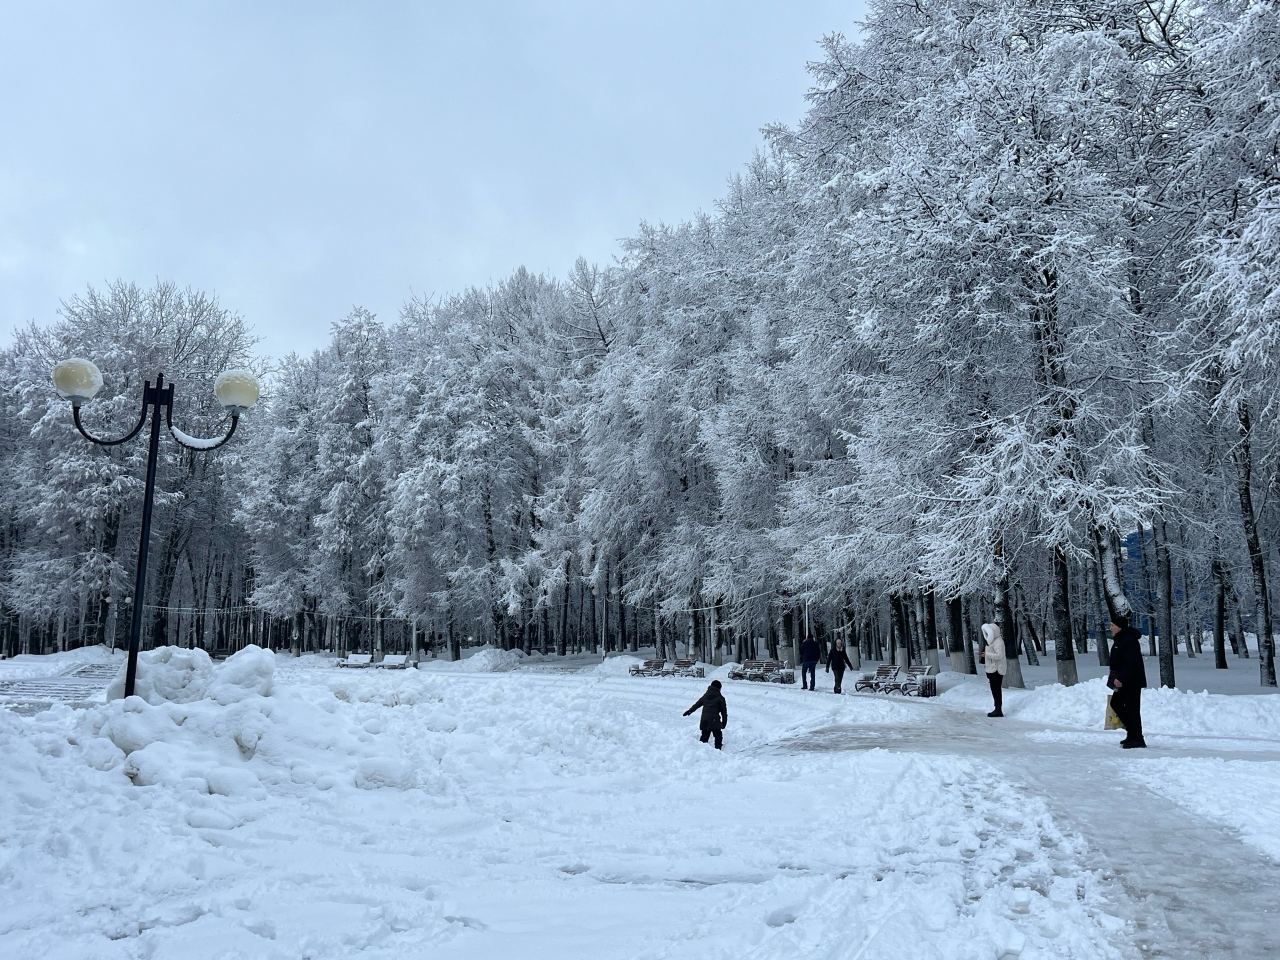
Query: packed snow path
column 275, row 812
column 1191, row 888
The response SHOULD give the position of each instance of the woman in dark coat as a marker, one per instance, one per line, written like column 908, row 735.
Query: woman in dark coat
column 715, row 713
column 837, row 660
column 1127, row 677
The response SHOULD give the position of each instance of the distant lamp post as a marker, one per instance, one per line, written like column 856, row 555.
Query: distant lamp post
column 80, row 380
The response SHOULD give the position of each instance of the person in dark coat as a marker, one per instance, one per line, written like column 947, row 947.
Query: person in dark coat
column 715, row 714
column 1127, row 678
column 837, row 661
column 809, row 657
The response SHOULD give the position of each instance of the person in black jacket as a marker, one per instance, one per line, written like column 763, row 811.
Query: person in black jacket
column 809, row 657
column 1127, row 677
column 715, row 713
column 837, row 660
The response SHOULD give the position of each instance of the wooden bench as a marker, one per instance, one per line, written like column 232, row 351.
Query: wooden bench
column 886, row 675
column 914, row 682
column 764, row 671
column 650, row 668
column 689, row 668
column 357, row 660
column 394, row 661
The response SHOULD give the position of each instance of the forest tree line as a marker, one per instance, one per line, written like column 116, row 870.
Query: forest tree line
column 991, row 333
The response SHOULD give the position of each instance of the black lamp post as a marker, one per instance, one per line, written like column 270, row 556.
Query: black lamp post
column 80, row 380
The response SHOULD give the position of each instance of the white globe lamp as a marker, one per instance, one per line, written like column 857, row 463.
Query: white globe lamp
column 236, row 390
column 77, row 380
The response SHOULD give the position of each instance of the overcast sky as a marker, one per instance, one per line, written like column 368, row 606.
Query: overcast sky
column 299, row 158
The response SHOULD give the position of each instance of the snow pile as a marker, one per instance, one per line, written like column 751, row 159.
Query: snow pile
column 167, row 675
column 721, row 673
column 248, row 673
column 616, row 666
column 484, row 660
column 1164, row 711
column 206, row 729
column 179, row 675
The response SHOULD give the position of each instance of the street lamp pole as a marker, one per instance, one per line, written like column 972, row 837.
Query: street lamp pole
column 80, row 380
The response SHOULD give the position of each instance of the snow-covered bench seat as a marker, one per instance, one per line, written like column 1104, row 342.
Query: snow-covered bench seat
column 763, row 671
column 357, row 660
column 689, row 668
column 886, row 676
column 918, row 682
column 394, row 661
column 650, row 668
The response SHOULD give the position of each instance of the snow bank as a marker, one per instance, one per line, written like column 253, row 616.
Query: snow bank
column 167, row 675
column 179, row 675
column 202, row 728
column 721, row 672
column 1166, row 711
column 619, row 666
column 484, row 660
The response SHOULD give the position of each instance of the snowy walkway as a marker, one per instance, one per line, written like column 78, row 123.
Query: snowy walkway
column 1193, row 889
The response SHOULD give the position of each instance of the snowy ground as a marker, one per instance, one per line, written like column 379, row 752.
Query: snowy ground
column 273, row 808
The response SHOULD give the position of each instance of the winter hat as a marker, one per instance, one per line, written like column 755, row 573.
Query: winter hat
column 716, row 684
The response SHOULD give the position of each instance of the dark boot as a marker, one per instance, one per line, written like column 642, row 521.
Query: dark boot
column 1134, row 744
column 995, row 713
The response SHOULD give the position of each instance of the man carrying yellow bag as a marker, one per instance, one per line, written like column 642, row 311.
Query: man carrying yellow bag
column 1127, row 678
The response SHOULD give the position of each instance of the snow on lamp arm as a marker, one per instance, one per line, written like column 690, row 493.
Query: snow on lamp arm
column 79, row 381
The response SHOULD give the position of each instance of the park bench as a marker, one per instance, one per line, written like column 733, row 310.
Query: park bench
column 394, row 661
column 689, row 668
column 886, row 675
column 357, row 660
column 917, row 682
column 764, row 671
column 650, row 668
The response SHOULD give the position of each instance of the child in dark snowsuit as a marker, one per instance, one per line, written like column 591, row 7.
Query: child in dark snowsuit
column 715, row 713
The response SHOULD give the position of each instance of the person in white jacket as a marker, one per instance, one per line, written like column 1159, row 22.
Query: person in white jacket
column 992, row 656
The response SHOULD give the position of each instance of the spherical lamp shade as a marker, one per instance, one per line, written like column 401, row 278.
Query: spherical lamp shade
column 236, row 390
column 77, row 379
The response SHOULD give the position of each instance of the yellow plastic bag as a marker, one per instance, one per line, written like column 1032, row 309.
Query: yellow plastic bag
column 1112, row 721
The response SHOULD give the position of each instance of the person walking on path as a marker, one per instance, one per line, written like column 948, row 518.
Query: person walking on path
column 809, row 657
column 993, row 657
column 837, row 660
column 715, row 714
column 1127, row 678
